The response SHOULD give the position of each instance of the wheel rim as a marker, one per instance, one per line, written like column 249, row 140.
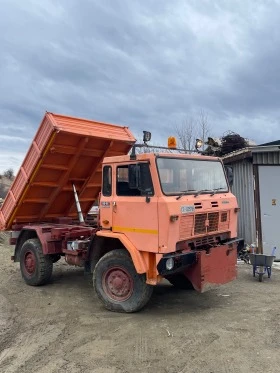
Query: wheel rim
column 117, row 284
column 29, row 263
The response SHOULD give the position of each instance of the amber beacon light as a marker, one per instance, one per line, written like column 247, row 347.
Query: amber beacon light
column 172, row 143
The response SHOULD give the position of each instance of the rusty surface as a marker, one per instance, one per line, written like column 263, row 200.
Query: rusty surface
column 29, row 262
column 213, row 269
column 207, row 222
column 54, row 237
column 75, row 260
column 118, row 283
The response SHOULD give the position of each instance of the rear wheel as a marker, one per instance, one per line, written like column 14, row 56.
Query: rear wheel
column 180, row 281
column 36, row 268
column 117, row 284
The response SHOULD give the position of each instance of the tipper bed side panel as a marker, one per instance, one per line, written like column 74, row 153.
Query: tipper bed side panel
column 65, row 150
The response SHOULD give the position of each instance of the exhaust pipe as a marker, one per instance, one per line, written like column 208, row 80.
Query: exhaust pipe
column 78, row 206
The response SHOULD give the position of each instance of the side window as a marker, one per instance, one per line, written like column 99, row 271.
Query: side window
column 123, row 188
column 107, row 181
column 134, row 180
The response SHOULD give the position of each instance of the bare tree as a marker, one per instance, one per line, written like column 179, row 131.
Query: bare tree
column 203, row 127
column 187, row 133
column 191, row 129
column 9, row 173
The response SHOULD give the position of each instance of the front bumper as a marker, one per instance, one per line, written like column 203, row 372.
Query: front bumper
column 205, row 269
column 181, row 263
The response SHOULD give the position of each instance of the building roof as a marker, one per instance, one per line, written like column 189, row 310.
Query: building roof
column 260, row 154
column 238, row 155
column 276, row 142
column 266, row 148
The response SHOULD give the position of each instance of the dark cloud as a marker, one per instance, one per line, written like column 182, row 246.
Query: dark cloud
column 146, row 64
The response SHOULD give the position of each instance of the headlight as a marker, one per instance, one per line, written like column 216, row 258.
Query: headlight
column 169, row 264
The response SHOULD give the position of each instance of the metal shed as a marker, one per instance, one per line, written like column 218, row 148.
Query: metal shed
column 256, row 185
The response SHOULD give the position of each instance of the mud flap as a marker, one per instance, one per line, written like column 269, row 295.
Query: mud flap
column 215, row 268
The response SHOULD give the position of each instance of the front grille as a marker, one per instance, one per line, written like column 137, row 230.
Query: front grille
column 206, row 223
column 223, row 217
column 203, row 223
column 207, row 240
column 224, row 221
column 200, row 226
column 213, row 218
column 186, row 226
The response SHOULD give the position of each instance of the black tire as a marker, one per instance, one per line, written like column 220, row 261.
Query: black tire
column 36, row 268
column 260, row 277
column 117, row 284
column 55, row 257
column 180, row 281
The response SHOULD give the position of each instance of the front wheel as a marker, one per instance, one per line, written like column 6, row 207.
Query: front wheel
column 117, row 284
column 36, row 268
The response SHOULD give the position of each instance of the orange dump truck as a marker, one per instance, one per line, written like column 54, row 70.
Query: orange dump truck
column 161, row 215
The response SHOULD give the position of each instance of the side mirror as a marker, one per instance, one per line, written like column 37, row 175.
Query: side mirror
column 145, row 180
column 229, row 172
column 139, row 177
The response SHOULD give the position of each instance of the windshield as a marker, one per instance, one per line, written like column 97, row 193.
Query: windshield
column 178, row 175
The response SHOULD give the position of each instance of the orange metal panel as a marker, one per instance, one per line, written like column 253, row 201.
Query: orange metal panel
column 65, row 150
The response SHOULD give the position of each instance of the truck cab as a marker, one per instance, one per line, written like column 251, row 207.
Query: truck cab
column 172, row 199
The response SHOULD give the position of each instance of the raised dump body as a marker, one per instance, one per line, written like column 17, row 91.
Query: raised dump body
column 65, row 151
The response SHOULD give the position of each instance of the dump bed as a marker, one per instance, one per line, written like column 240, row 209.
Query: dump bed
column 65, row 150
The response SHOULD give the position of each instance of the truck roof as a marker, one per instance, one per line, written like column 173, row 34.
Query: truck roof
column 65, row 151
column 147, row 156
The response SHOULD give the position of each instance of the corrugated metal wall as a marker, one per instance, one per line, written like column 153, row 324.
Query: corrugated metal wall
column 243, row 189
column 266, row 158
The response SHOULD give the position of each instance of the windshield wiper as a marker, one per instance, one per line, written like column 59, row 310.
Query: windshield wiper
column 198, row 192
column 184, row 192
column 212, row 191
column 202, row 191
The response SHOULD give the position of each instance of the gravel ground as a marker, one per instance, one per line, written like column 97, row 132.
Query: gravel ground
column 62, row 327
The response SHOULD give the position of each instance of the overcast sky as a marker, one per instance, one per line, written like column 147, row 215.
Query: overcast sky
column 145, row 64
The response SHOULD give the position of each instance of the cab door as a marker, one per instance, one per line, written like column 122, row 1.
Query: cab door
column 134, row 206
column 105, row 205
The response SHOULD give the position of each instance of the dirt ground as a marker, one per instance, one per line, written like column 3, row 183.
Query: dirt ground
column 62, row 327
